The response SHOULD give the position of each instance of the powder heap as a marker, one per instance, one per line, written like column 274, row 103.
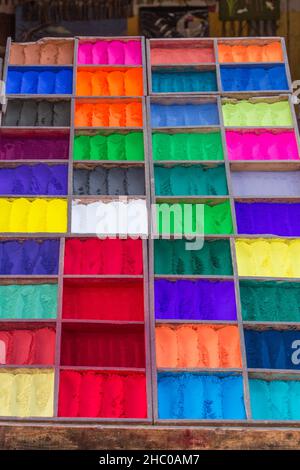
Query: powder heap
column 195, row 396
column 109, row 114
column 268, row 258
column 110, row 217
column 109, row 181
column 38, row 179
column 194, row 300
column 180, row 115
column 36, row 215
column 266, row 183
column 262, row 145
column 182, row 55
column 175, row 81
column 109, row 147
column 280, row 219
column 114, row 82
column 109, row 256
column 259, row 114
column 270, row 301
column 20, row 257
column 42, row 53
column 103, row 345
column 26, row 392
column 254, row 78
column 187, row 146
column 188, row 219
column 40, row 113
column 197, row 346
column 110, row 53
column 172, row 257
column 196, row 180
column 104, row 300
column 272, row 349
column 39, row 81
column 276, row 399
column 24, row 346
column 28, row 301
column 271, row 52
column 102, row 394
column 34, row 146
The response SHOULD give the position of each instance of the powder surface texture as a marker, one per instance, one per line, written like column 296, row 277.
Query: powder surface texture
column 182, row 55
column 100, row 82
column 262, row 114
column 174, row 81
column 181, row 115
column 266, row 183
column 254, row 78
column 40, row 113
column 271, row 52
column 109, row 114
column 110, row 53
column 34, row 146
column 41, row 81
column 46, row 53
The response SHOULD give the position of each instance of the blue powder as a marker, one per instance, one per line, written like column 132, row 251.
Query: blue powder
column 39, row 80
column 172, row 81
column 254, row 78
column 181, row 115
column 196, row 396
column 272, row 349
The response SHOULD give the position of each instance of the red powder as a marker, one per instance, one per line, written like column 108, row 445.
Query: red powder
column 109, row 256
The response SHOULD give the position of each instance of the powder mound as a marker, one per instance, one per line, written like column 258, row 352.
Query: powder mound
column 178, row 55
column 109, row 114
column 271, row 52
column 254, row 78
column 174, row 81
column 114, row 83
column 110, row 52
column 42, row 53
column 181, row 115
column 41, row 81
column 260, row 114
column 40, row 113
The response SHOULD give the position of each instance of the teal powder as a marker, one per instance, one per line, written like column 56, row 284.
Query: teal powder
column 174, row 81
column 26, row 301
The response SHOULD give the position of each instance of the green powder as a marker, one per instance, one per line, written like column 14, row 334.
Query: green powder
column 110, row 147
column 187, row 146
column 245, row 113
column 270, row 301
column 28, row 301
column 173, row 257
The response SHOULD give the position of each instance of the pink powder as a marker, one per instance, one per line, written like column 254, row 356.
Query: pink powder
column 181, row 56
column 110, row 53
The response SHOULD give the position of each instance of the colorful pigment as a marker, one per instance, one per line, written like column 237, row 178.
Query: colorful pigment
column 103, row 181
column 254, row 78
column 39, row 81
column 182, row 55
column 28, row 301
column 109, row 256
column 35, row 145
column 257, row 113
column 188, row 395
column 268, row 258
column 181, row 115
column 110, row 53
column 58, row 52
column 195, row 180
column 112, row 82
column 187, row 81
column 115, row 146
column 41, row 113
column 194, row 300
column 109, row 114
column 187, row 146
column 271, row 52
column 91, row 394
column 266, row 183
column 197, row 346
column 26, row 392
column 172, row 257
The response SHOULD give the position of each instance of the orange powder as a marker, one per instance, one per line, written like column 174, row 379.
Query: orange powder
column 109, row 114
column 84, row 83
column 229, row 341
column 133, row 82
column 225, row 53
column 134, row 115
column 83, row 114
column 117, row 117
column 166, row 347
column 100, row 116
column 239, row 53
column 273, row 52
column 208, row 347
column 253, row 53
column 99, row 84
column 115, row 82
column 187, row 343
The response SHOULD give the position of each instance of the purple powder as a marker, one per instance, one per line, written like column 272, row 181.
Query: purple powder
column 34, row 146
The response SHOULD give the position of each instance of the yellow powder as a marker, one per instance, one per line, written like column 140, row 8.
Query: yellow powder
column 6, row 393
column 57, row 216
column 5, row 208
column 37, row 216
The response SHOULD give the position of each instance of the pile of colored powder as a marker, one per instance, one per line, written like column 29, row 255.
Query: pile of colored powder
column 187, row 146
column 197, row 346
column 34, row 146
column 117, row 82
column 38, row 179
column 109, row 114
column 31, row 347
column 272, row 349
column 175, row 81
column 104, row 300
column 181, row 115
column 266, row 183
column 195, row 180
column 109, row 256
column 36, row 215
column 26, row 392
column 110, row 52
column 172, row 257
column 257, row 114
column 270, row 301
column 188, row 395
column 109, row 181
column 103, row 345
column 109, row 147
column 42, row 53
column 282, row 219
column 110, row 217
column 182, row 55
column 271, row 52
column 90, row 394
column 40, row 113
column 194, row 300
column 254, row 78
column 275, row 399
column 29, row 257
column 189, row 218
column 268, row 258
column 39, row 81
column 262, row 145
column 28, row 301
